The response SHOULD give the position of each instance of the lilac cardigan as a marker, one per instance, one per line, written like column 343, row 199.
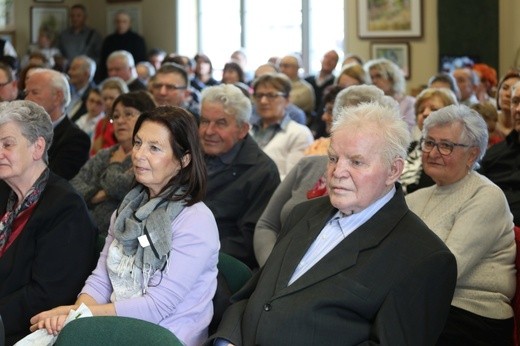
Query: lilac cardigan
column 179, row 298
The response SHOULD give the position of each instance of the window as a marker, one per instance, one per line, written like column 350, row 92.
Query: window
column 6, row 14
column 263, row 28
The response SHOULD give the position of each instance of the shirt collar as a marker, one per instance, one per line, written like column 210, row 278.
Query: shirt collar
column 363, row 215
column 57, row 122
column 229, row 157
column 282, row 124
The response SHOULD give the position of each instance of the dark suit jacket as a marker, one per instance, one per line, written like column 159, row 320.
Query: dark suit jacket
column 48, row 263
column 389, row 282
column 69, row 149
column 136, row 85
column 83, row 108
column 238, row 195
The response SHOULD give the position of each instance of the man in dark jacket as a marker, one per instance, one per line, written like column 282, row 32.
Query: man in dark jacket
column 123, row 38
column 241, row 177
column 356, row 267
column 70, row 146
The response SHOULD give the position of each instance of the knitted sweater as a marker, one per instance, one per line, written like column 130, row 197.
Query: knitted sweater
column 472, row 217
column 99, row 174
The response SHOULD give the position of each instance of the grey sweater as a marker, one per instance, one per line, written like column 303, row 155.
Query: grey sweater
column 472, row 217
column 99, row 174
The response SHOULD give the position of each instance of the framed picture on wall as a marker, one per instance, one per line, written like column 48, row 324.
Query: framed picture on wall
column 56, row 18
column 389, row 18
column 399, row 53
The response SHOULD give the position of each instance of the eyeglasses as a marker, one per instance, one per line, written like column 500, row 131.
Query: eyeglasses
column 445, row 148
column 269, row 96
column 169, row 87
column 125, row 116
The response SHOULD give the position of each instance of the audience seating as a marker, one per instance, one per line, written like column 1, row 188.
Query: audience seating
column 232, row 275
column 115, row 331
column 234, row 271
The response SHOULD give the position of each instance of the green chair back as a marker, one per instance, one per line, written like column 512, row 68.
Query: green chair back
column 115, row 331
column 235, row 272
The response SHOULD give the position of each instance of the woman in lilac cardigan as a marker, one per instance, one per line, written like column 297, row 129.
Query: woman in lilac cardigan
column 159, row 262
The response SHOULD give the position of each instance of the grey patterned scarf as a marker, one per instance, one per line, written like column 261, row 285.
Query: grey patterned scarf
column 140, row 216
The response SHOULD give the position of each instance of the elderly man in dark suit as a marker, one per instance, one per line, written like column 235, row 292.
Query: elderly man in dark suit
column 81, row 74
column 241, row 177
column 356, row 267
column 70, row 146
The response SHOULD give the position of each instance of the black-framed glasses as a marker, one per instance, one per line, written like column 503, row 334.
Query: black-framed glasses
column 445, row 148
column 169, row 87
column 269, row 96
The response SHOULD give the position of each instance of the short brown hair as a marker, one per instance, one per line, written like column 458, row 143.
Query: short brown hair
column 279, row 81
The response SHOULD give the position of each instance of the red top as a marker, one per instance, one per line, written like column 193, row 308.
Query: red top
column 103, row 136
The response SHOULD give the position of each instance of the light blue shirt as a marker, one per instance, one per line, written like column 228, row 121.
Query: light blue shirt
column 335, row 230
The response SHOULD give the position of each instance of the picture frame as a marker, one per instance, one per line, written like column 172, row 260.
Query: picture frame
column 135, row 15
column 389, row 19
column 7, row 15
column 56, row 17
column 398, row 52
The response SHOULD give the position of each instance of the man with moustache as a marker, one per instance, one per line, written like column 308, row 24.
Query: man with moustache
column 354, row 267
column 501, row 163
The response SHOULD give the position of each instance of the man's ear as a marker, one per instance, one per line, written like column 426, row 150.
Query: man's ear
column 244, row 129
column 396, row 168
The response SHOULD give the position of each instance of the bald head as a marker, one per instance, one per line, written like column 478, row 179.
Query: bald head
column 289, row 66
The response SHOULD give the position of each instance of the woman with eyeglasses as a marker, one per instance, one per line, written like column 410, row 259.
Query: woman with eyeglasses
column 280, row 137
column 429, row 100
column 106, row 178
column 471, row 215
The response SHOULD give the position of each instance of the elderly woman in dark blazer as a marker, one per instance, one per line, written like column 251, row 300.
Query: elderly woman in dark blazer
column 47, row 238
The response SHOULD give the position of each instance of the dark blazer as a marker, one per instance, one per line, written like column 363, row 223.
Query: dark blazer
column 136, row 85
column 69, row 149
column 83, row 108
column 130, row 41
column 389, row 282
column 238, row 195
column 48, row 263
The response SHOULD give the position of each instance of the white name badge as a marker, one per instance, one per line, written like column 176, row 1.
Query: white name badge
column 143, row 240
